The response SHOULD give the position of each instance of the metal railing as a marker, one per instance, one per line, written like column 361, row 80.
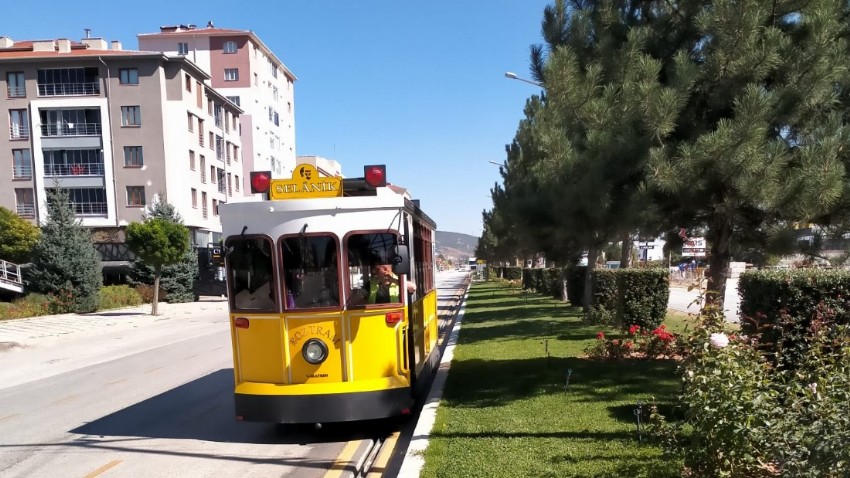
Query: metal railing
column 25, row 210
column 16, row 91
column 69, row 89
column 89, row 208
column 71, row 129
column 22, row 171
column 10, row 272
column 83, row 169
column 19, row 131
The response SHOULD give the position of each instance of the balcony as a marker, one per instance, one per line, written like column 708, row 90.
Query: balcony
column 71, row 129
column 25, row 210
column 77, row 169
column 89, row 208
column 69, row 89
column 19, row 131
column 22, row 171
column 16, row 91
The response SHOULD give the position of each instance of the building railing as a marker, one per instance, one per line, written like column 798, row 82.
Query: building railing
column 10, row 272
column 16, row 91
column 71, row 129
column 25, row 210
column 19, row 131
column 69, row 89
column 222, row 187
column 85, row 169
column 22, row 171
column 89, row 208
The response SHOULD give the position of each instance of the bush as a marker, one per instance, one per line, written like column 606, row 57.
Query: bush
column 31, row 305
column 146, row 293
column 604, row 283
column 643, row 295
column 512, row 273
column 780, row 305
column 528, row 279
column 745, row 418
column 118, row 296
column 553, row 282
column 575, row 285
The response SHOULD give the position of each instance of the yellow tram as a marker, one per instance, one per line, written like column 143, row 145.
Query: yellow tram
column 321, row 331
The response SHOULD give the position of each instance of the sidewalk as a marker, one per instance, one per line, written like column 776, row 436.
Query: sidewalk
column 68, row 342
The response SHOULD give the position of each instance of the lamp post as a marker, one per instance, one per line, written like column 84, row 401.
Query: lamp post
column 513, row 76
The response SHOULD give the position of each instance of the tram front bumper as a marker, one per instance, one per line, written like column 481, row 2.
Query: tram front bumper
column 338, row 407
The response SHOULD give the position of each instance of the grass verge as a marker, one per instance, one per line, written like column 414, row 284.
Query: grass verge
column 505, row 409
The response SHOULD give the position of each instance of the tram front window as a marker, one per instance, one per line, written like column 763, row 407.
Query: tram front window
column 365, row 253
column 310, row 271
column 252, row 280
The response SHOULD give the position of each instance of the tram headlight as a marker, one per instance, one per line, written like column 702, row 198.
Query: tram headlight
column 314, row 351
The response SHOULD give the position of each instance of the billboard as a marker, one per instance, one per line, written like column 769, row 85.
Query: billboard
column 694, row 247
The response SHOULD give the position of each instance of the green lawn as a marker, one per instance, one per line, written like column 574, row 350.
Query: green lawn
column 505, row 411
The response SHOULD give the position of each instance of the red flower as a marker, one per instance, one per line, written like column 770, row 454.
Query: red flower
column 634, row 329
column 628, row 344
column 600, row 336
column 615, row 342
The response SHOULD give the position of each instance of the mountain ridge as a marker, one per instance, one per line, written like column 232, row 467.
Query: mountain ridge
column 455, row 245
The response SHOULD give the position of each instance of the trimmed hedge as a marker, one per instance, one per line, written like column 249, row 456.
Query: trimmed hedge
column 512, row 273
column 636, row 296
column 527, row 279
column 553, row 282
column 781, row 305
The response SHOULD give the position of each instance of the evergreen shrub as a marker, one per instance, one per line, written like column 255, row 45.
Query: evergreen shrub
column 575, row 285
column 528, row 279
column 553, row 279
column 643, row 295
column 780, row 305
column 512, row 273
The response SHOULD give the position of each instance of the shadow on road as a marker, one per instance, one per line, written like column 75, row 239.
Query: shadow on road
column 203, row 410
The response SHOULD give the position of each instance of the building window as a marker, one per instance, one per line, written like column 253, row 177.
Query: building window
column 128, row 76
column 229, row 46
column 215, row 207
column 72, row 162
column 191, row 122
column 229, row 185
column 133, row 157
column 212, row 174
column 188, row 83
column 236, row 180
column 256, row 79
column 231, row 74
column 204, row 204
column 200, row 132
column 194, row 198
column 235, row 100
column 25, row 202
column 19, row 124
column 203, row 170
column 131, row 116
column 135, row 196
column 191, row 160
column 88, row 201
column 199, row 94
column 21, row 164
column 15, row 87
column 182, row 48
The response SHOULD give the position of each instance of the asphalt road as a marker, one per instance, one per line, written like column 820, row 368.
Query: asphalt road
column 128, row 395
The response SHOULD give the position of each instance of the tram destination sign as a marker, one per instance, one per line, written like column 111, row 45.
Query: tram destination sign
column 305, row 184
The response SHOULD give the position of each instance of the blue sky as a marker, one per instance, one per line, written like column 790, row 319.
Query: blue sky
column 418, row 86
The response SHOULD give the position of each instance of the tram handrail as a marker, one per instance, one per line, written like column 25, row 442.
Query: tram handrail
column 401, row 339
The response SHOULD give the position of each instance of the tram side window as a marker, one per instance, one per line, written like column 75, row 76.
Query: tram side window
column 365, row 251
column 310, row 271
column 250, row 266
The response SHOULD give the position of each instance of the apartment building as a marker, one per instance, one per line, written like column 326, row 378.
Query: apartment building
column 245, row 70
column 115, row 129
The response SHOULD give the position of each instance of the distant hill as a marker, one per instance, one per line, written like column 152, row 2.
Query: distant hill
column 456, row 245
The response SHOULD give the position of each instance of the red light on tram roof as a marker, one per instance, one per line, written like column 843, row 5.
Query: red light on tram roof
column 241, row 323
column 375, row 175
column 260, row 181
column 393, row 318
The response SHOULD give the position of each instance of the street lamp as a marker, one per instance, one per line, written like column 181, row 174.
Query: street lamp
column 513, row 76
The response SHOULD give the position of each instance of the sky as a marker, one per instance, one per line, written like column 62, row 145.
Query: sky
column 418, row 86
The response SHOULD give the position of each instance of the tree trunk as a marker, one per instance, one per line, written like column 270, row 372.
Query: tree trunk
column 720, row 237
column 156, row 274
column 626, row 251
column 592, row 253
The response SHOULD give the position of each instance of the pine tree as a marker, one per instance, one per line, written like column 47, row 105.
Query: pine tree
column 762, row 142
column 64, row 262
column 177, row 280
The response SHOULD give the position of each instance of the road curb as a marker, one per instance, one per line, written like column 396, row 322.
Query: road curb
column 414, row 457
